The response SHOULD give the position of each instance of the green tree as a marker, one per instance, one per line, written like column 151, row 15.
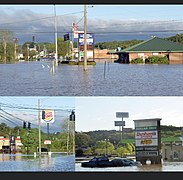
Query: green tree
column 64, row 47
column 82, row 139
column 121, row 151
column 6, row 39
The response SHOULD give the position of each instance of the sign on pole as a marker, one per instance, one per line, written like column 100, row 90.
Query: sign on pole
column 48, row 116
column 119, row 123
column 47, row 142
column 122, row 114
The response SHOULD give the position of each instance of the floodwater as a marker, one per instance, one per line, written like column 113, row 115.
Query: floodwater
column 112, row 79
column 166, row 166
column 24, row 163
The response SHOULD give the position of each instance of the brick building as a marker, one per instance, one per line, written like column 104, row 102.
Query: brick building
column 152, row 47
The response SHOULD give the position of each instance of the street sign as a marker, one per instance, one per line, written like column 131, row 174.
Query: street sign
column 119, row 123
column 122, row 114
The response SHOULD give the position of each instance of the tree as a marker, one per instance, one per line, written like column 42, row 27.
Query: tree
column 121, row 151
column 64, row 47
column 6, row 37
column 82, row 139
column 104, row 148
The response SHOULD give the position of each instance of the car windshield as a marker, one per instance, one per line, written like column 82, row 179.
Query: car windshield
column 94, row 159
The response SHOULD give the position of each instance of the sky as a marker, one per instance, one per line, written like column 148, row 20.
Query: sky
column 25, row 108
column 107, row 22
column 99, row 113
column 93, row 112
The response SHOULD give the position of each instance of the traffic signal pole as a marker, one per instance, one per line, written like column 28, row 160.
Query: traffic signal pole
column 39, row 124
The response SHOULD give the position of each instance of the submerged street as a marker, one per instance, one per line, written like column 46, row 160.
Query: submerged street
column 36, row 78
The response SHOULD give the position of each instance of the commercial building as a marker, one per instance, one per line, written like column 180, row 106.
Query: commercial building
column 10, row 144
column 152, row 47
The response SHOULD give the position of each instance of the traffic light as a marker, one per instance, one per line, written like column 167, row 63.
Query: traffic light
column 24, row 124
column 43, row 114
column 72, row 116
column 66, row 37
column 29, row 125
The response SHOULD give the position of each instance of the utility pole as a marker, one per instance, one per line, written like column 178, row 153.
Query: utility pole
column 122, row 128
column 56, row 48
column 15, row 47
column 27, row 52
column 73, row 137
column 39, row 123
column 68, row 136
column 85, row 45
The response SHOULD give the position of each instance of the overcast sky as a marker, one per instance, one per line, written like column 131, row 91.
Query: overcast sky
column 107, row 22
column 99, row 113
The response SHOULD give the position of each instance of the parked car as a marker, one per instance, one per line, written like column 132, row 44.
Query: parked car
column 105, row 162
column 97, row 162
column 117, row 162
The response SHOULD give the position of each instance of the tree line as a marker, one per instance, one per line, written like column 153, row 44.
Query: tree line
column 98, row 142
column 60, row 141
column 10, row 47
column 114, row 45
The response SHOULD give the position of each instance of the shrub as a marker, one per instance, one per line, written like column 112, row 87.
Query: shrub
column 136, row 61
column 157, row 60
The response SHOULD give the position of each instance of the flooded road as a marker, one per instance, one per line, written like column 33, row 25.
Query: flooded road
column 35, row 78
column 24, row 163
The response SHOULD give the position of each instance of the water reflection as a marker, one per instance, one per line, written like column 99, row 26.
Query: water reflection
column 166, row 166
column 20, row 162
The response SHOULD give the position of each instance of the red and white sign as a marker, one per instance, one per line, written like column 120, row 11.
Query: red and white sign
column 76, row 34
column 47, row 142
column 49, row 116
column 146, row 134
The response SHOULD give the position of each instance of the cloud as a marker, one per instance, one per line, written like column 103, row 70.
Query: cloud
column 26, row 23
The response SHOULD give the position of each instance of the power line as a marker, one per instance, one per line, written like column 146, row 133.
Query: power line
column 9, row 120
column 36, row 109
column 27, row 21
column 12, row 115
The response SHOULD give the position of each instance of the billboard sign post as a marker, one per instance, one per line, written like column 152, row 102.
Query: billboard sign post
column 148, row 140
column 121, row 124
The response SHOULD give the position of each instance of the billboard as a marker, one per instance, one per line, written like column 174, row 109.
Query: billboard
column 48, row 116
column 122, row 114
column 76, row 34
column 88, row 36
column 146, row 142
column 119, row 123
column 89, row 39
column 146, row 153
column 146, row 134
